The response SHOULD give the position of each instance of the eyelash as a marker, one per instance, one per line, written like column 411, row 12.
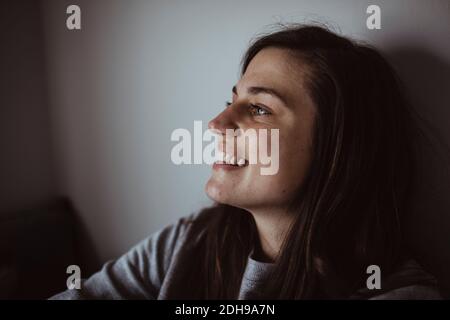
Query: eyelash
column 254, row 107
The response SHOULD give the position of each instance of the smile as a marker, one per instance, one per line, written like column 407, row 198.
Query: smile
column 229, row 162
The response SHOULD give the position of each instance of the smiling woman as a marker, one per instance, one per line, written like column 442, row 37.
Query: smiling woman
column 334, row 208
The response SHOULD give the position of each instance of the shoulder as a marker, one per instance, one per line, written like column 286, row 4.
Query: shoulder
column 409, row 282
column 163, row 244
column 412, row 292
column 190, row 225
column 141, row 271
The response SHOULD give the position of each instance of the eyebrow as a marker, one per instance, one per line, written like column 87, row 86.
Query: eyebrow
column 258, row 90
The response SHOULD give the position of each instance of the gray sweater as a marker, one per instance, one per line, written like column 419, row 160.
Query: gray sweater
column 149, row 271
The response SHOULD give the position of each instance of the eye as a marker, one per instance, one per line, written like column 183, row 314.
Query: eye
column 227, row 103
column 258, row 110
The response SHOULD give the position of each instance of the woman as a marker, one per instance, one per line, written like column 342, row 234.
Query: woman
column 333, row 209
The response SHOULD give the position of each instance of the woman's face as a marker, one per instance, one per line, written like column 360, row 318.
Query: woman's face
column 270, row 95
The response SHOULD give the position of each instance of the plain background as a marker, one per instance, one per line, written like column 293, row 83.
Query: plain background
column 89, row 113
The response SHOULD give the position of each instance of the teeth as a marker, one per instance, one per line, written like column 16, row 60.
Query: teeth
column 229, row 159
column 220, row 156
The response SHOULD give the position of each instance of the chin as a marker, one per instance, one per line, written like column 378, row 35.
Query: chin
column 220, row 193
column 214, row 191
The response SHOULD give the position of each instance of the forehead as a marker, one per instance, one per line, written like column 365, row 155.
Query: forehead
column 276, row 68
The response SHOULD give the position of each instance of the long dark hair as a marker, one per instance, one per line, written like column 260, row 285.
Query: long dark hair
column 352, row 202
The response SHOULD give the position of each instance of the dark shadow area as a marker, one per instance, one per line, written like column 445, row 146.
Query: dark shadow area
column 37, row 244
column 427, row 81
column 88, row 256
column 41, row 234
column 27, row 164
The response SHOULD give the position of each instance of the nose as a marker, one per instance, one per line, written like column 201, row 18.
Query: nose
column 224, row 120
column 227, row 119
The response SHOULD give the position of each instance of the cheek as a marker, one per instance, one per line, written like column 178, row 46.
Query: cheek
column 293, row 164
column 295, row 158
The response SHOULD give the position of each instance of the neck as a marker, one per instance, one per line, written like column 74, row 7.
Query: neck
column 273, row 226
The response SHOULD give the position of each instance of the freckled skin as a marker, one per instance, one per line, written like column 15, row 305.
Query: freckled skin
column 247, row 188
